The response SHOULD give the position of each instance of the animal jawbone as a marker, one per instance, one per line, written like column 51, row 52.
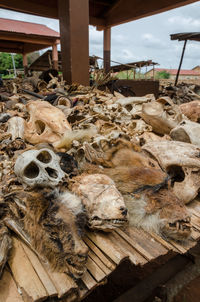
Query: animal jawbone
column 179, row 230
column 101, row 223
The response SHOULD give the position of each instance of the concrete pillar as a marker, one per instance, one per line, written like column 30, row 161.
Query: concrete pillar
column 25, row 64
column 55, row 56
column 106, row 48
column 74, row 37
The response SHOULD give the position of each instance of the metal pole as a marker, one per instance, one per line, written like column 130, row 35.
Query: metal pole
column 13, row 61
column 179, row 68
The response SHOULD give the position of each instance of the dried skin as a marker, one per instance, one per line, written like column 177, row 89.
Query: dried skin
column 53, row 232
column 103, row 203
column 5, row 246
column 151, row 204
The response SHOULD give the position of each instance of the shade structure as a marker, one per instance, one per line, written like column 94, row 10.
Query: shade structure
column 76, row 15
column 24, row 37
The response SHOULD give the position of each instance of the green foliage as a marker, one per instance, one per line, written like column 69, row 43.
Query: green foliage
column 162, row 75
column 6, row 62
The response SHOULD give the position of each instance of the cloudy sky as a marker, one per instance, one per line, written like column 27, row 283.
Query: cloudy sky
column 144, row 39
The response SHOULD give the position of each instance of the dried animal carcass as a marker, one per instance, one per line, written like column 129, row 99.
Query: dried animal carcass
column 162, row 115
column 52, row 229
column 104, row 204
column 187, row 131
column 46, row 124
column 151, row 204
column 5, row 246
column 39, row 168
column 182, row 162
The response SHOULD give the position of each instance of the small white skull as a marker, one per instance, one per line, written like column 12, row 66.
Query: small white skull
column 39, row 168
column 182, row 163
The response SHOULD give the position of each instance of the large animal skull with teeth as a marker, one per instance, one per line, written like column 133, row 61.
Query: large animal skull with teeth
column 104, row 204
column 39, row 168
column 162, row 115
column 182, row 163
column 47, row 124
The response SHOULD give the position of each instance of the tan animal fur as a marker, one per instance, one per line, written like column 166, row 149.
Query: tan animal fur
column 54, row 232
column 151, row 203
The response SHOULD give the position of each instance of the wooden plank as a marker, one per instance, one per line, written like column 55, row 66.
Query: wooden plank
column 8, row 289
column 89, row 281
column 182, row 247
column 146, row 242
column 128, row 250
column 26, row 278
column 195, row 234
column 163, row 242
column 42, row 274
column 95, row 270
column 195, row 221
column 62, row 282
column 108, row 263
column 106, row 245
column 134, row 244
column 100, row 264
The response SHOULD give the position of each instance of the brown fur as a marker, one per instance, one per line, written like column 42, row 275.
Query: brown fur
column 54, row 233
column 137, row 175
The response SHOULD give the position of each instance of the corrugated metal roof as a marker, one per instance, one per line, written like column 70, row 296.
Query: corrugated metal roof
column 27, row 28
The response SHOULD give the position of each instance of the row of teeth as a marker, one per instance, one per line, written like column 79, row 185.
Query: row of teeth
column 111, row 220
column 179, row 225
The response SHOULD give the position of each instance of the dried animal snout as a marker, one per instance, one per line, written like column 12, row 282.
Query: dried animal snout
column 103, row 203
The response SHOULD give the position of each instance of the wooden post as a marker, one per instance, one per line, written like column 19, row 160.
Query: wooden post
column 55, row 56
column 179, row 68
column 106, row 48
column 74, row 37
column 25, row 64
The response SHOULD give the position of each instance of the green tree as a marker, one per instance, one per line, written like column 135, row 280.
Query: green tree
column 163, row 75
column 6, row 61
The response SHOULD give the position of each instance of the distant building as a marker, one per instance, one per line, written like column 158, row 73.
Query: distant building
column 185, row 74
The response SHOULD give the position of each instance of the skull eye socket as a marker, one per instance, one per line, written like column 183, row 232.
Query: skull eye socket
column 40, row 127
column 31, row 171
column 129, row 107
column 176, row 173
column 51, row 172
column 45, row 157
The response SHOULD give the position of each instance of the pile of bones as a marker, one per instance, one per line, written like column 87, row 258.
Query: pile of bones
column 75, row 157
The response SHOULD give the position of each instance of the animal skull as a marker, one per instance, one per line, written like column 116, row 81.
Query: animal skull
column 191, row 110
column 162, row 115
column 182, row 162
column 39, row 168
column 16, row 127
column 134, row 104
column 47, row 123
column 187, row 131
column 103, row 203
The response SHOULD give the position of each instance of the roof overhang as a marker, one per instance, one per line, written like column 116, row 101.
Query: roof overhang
column 102, row 12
